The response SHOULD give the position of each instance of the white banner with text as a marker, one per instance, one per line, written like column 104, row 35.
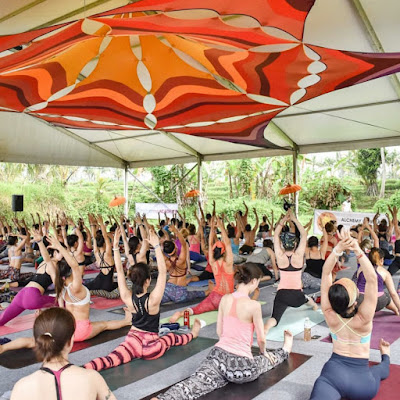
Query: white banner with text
column 347, row 219
column 152, row 209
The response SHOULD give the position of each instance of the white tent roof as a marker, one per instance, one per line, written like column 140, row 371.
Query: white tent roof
column 366, row 115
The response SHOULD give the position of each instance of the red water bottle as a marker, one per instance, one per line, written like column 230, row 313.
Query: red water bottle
column 186, row 319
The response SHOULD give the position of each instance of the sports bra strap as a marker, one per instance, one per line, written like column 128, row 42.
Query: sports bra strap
column 57, row 376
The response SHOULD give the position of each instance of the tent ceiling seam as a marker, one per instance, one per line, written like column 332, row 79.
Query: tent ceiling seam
column 374, row 40
column 72, row 135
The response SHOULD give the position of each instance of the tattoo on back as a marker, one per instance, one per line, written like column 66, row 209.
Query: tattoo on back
column 108, row 395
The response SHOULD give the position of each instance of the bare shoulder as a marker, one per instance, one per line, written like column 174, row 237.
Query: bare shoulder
column 25, row 385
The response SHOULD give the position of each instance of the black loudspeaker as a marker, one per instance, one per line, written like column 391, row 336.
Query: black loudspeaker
column 17, row 202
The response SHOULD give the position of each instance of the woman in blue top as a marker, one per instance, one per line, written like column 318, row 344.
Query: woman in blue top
column 347, row 373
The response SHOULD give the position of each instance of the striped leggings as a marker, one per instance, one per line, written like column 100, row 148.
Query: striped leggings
column 110, row 295
column 139, row 344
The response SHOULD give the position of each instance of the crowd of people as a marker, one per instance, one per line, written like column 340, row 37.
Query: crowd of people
column 237, row 256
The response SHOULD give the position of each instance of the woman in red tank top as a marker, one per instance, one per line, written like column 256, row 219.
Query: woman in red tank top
column 221, row 260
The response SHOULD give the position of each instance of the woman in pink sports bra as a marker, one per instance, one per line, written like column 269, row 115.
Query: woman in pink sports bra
column 57, row 378
column 231, row 359
column 289, row 253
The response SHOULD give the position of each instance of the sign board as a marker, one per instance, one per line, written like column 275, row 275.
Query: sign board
column 152, row 209
column 347, row 219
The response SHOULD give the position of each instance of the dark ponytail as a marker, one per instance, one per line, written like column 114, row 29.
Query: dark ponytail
column 139, row 274
column 247, row 272
column 339, row 299
column 133, row 244
column 52, row 330
column 100, row 239
column 63, row 270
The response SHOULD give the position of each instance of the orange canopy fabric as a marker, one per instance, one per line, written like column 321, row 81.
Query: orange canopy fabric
column 217, row 69
column 290, row 189
column 117, row 201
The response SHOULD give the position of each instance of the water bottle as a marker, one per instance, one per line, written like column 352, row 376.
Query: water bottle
column 307, row 330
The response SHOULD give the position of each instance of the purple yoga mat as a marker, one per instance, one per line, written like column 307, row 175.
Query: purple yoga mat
column 386, row 326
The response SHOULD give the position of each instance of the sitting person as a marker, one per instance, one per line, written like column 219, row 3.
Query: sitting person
column 347, row 374
column 315, row 259
column 391, row 301
column 221, row 261
column 264, row 257
column 142, row 340
column 177, row 266
column 57, row 378
column 249, row 236
column 231, row 359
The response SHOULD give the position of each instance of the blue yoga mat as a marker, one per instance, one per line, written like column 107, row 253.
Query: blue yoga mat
column 200, row 283
column 293, row 320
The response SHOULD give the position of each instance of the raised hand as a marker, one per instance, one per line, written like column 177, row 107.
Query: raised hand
column 153, row 238
column 37, row 235
column 117, row 237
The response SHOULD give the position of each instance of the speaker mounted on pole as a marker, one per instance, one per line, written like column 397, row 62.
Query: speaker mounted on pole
column 17, row 203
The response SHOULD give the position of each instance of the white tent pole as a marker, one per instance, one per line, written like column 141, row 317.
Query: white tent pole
column 295, row 171
column 200, row 178
column 126, row 191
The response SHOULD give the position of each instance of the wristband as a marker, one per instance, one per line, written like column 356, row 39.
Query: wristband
column 156, row 247
column 360, row 255
column 116, row 249
column 336, row 253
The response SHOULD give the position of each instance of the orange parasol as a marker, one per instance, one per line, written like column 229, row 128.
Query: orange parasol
column 193, row 193
column 290, row 189
column 117, row 201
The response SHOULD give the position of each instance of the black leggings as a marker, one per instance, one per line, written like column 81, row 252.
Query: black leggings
column 287, row 298
column 394, row 266
column 350, row 378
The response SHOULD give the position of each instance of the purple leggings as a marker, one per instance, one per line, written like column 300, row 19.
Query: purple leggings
column 28, row 298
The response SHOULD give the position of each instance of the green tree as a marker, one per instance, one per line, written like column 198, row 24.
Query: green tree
column 368, row 162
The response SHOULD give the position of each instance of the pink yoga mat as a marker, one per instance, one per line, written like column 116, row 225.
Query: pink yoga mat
column 386, row 326
column 390, row 387
column 101, row 303
column 18, row 324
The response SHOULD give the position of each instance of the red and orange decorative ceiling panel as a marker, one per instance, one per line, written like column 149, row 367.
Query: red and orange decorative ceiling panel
column 217, row 69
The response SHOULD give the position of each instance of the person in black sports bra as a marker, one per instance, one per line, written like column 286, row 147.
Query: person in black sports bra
column 315, row 259
column 31, row 297
column 104, row 259
column 53, row 331
column 142, row 340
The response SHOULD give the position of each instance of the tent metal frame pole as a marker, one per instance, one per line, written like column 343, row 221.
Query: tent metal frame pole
column 295, row 173
column 126, row 190
column 93, row 146
column 183, row 178
column 374, row 39
column 149, row 190
column 200, row 175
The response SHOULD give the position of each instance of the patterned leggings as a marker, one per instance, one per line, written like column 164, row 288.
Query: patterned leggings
column 139, row 344
column 110, row 295
column 14, row 274
column 221, row 367
column 180, row 294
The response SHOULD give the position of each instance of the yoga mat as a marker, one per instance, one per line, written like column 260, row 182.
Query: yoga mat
column 293, row 320
column 248, row 391
column 23, row 357
column 101, row 303
column 390, row 386
column 18, row 324
column 138, row 369
column 386, row 325
column 209, row 317
column 197, row 267
column 200, row 283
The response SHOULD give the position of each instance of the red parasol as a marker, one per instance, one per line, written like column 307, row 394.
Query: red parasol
column 289, row 189
column 117, row 201
column 193, row 193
